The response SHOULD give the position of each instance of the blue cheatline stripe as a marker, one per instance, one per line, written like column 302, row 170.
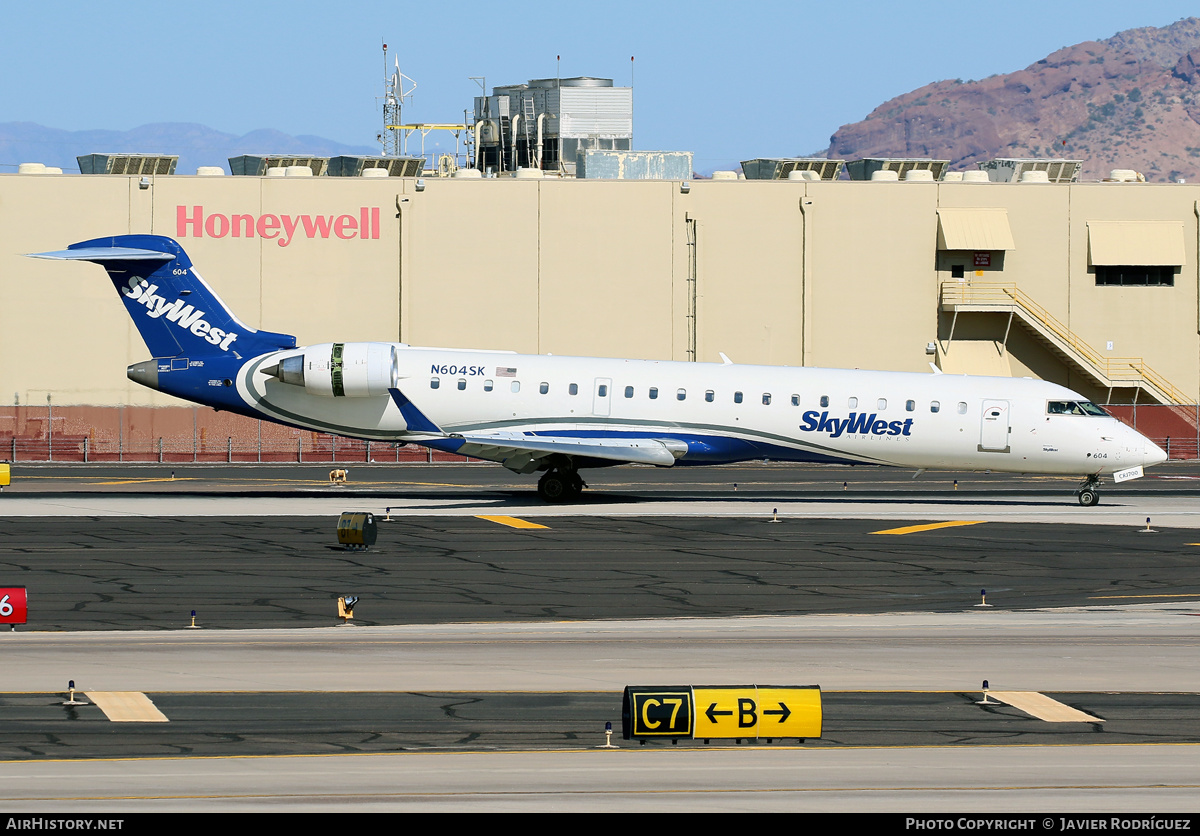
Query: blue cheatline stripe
column 413, row 417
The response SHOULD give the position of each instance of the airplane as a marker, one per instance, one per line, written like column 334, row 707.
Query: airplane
column 559, row 415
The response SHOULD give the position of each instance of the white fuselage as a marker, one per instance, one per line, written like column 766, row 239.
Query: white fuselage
column 722, row 413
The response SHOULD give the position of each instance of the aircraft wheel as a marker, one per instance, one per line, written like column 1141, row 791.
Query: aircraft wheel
column 1088, row 498
column 574, row 485
column 553, row 488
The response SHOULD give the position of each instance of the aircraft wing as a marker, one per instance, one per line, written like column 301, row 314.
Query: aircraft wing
column 523, row 453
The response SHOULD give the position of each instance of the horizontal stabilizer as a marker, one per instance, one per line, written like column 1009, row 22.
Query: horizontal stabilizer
column 102, row 254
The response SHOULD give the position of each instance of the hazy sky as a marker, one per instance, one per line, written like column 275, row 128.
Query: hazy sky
column 728, row 81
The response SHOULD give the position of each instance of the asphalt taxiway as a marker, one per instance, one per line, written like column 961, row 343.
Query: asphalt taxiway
column 494, row 634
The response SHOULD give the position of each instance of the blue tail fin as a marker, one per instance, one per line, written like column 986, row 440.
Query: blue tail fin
column 174, row 309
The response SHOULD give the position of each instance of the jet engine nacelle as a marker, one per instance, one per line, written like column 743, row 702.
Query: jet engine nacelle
column 337, row 370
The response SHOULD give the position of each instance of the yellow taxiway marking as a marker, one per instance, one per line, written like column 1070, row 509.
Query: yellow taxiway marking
column 1043, row 707
column 1156, row 595
column 511, row 522
column 139, row 481
column 913, row 529
column 127, row 707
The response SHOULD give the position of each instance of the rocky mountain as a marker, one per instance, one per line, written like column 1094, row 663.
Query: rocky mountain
column 196, row 145
column 1131, row 101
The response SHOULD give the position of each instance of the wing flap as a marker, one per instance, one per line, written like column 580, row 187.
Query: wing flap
column 523, row 453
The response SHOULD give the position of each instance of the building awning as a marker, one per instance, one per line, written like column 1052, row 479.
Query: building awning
column 974, row 229
column 1136, row 243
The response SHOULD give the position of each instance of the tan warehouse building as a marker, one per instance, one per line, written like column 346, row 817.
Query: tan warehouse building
column 1093, row 285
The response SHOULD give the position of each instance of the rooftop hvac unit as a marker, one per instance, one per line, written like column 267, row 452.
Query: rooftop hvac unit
column 863, row 169
column 127, row 163
column 778, row 168
column 1012, row 170
column 256, row 165
column 353, row 166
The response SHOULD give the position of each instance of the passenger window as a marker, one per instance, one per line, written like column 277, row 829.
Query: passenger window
column 487, row 385
column 766, row 398
column 710, row 396
column 602, row 390
column 962, row 408
column 435, row 382
column 462, row 383
column 852, row 403
column 681, row 394
column 881, row 404
column 629, row 391
column 653, row 393
column 910, row 406
column 795, row 400
column 934, row 406
column 516, row 386
column 573, row 389
column 737, row 397
column 824, row 400
column 544, row 388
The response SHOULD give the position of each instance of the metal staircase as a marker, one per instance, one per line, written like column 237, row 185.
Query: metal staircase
column 1108, row 372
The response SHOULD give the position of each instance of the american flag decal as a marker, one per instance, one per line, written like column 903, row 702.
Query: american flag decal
column 502, row 371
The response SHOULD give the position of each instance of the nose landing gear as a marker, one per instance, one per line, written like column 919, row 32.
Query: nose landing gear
column 1088, row 492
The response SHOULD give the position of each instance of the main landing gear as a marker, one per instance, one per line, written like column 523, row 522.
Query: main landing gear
column 560, row 485
column 1088, row 492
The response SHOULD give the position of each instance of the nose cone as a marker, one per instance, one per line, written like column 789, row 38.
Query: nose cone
column 1153, row 454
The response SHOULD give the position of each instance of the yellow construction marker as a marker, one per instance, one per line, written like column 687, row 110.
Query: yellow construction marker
column 913, row 529
column 511, row 522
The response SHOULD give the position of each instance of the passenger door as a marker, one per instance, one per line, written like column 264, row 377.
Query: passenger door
column 993, row 433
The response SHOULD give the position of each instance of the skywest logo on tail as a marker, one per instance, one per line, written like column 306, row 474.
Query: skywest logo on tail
column 185, row 316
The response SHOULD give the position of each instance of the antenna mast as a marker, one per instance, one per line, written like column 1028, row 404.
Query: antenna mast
column 394, row 95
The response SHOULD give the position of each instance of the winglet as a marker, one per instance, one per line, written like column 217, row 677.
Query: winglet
column 413, row 417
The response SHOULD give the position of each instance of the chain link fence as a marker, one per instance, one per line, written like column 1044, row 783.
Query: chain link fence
column 181, row 435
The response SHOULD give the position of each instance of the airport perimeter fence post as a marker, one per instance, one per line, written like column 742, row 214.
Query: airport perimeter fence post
column 368, row 451
column 86, row 439
column 160, row 450
column 333, row 448
column 229, row 450
column 14, row 448
column 299, row 450
column 429, row 454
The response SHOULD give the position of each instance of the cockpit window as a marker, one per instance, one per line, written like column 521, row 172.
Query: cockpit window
column 1073, row 408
